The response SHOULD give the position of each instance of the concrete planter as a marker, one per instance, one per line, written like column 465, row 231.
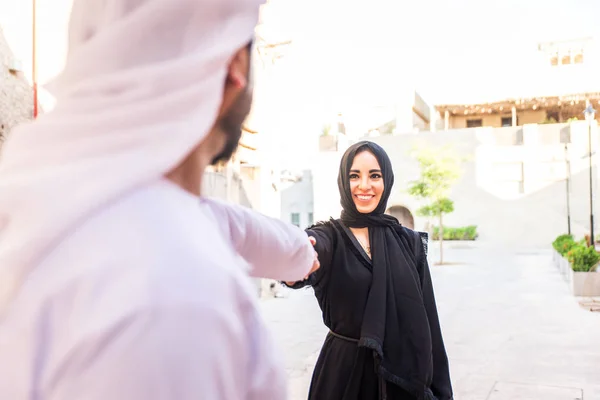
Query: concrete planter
column 565, row 269
column 563, row 265
column 585, row 284
column 328, row 143
column 582, row 283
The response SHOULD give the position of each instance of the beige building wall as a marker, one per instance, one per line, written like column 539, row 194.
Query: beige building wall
column 531, row 117
column 412, row 113
column 495, row 120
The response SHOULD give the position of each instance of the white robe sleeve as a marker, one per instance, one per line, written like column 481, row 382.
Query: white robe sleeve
column 183, row 353
column 274, row 249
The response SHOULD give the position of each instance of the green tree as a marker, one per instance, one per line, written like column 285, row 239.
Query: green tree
column 440, row 169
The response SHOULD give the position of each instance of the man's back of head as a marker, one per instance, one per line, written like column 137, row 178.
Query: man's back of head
column 146, row 82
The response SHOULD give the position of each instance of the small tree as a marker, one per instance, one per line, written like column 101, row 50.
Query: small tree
column 439, row 171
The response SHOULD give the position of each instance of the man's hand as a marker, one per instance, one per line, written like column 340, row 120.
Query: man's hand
column 316, row 263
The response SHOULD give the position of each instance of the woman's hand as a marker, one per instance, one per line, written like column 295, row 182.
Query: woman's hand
column 316, row 263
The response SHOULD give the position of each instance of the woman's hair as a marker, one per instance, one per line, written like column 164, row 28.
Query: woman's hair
column 362, row 148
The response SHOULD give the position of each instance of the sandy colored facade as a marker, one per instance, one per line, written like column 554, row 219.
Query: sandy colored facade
column 516, row 112
column 555, row 86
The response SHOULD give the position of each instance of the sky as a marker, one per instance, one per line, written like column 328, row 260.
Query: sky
column 448, row 50
column 353, row 55
column 371, row 49
column 52, row 20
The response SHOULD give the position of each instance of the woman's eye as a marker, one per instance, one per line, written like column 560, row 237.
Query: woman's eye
column 353, row 176
column 376, row 176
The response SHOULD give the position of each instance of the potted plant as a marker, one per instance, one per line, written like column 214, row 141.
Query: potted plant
column 585, row 280
column 562, row 245
column 328, row 139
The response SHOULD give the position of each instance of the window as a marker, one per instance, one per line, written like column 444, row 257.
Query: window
column 15, row 67
column 310, row 219
column 219, row 167
column 296, row 219
column 506, row 121
column 565, row 52
column 552, row 117
column 248, row 172
column 474, row 123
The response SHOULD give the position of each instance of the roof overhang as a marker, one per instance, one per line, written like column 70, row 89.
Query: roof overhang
column 567, row 103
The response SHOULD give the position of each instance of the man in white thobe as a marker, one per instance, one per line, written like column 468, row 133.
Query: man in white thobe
column 118, row 280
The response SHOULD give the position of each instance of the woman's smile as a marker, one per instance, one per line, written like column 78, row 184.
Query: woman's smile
column 364, row 198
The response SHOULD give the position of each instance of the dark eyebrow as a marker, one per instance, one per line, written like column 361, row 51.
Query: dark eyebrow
column 370, row 171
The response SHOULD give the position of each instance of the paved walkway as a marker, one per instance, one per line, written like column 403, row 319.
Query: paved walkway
column 513, row 331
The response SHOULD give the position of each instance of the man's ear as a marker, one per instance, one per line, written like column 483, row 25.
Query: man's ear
column 237, row 78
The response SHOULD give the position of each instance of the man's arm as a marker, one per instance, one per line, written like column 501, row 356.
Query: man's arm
column 186, row 353
column 273, row 248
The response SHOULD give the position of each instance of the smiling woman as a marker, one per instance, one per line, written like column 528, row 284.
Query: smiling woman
column 374, row 289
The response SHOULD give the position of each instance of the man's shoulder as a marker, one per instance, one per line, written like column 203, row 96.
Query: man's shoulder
column 152, row 225
column 150, row 248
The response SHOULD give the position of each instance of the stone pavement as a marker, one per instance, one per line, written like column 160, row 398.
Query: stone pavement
column 513, row 331
column 298, row 328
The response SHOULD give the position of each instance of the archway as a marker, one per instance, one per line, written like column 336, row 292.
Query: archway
column 403, row 215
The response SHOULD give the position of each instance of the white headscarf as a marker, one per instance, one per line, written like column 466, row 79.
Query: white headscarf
column 141, row 88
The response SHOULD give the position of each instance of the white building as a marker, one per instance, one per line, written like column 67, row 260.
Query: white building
column 297, row 201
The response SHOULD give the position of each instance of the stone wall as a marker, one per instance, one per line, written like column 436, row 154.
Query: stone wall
column 16, row 95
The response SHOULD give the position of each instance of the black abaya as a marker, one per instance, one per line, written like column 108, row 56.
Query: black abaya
column 344, row 370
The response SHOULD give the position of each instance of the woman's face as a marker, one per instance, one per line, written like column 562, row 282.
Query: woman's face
column 366, row 182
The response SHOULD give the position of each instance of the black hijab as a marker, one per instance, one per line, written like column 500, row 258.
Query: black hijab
column 395, row 324
column 350, row 214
